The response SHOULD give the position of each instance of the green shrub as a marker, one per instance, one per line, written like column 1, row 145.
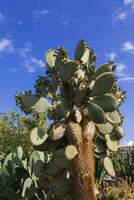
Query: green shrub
column 13, row 133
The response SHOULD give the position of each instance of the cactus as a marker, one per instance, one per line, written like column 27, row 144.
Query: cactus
column 81, row 105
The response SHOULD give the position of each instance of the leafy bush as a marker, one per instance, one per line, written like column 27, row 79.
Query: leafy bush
column 13, row 133
column 124, row 163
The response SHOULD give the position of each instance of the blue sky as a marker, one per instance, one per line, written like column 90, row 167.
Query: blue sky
column 29, row 27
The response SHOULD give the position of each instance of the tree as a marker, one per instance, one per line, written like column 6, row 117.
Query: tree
column 13, row 132
column 81, row 105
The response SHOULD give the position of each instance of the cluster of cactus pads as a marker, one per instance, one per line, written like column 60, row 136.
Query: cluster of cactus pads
column 72, row 90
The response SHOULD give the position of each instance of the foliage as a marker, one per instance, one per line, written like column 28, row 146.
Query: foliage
column 13, row 132
column 124, row 163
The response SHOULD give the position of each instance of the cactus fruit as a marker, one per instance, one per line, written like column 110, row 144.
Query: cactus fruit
column 81, row 105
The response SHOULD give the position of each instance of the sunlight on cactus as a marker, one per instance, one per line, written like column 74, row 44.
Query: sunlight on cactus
column 81, row 122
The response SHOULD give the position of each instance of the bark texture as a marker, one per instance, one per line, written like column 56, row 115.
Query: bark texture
column 83, row 164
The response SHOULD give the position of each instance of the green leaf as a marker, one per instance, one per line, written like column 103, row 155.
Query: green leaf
column 96, row 113
column 103, row 84
column 107, row 102
column 68, row 70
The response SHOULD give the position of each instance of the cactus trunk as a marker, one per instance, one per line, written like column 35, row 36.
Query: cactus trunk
column 83, row 163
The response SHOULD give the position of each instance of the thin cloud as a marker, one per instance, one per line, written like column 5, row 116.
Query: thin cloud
column 20, row 22
column 111, row 56
column 40, row 13
column 128, row 2
column 127, row 78
column 65, row 19
column 1, row 17
column 120, row 69
column 24, row 52
column 6, row 45
column 128, row 47
column 13, row 69
column 120, row 15
column 32, row 64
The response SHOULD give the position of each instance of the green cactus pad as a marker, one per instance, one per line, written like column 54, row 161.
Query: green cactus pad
column 34, row 103
column 107, row 67
column 38, row 168
column 96, row 113
column 61, row 106
column 38, row 136
column 82, row 52
column 107, row 102
column 113, row 117
column 106, row 128
column 50, row 58
column 26, row 187
column 101, row 155
column 8, row 194
column 113, row 145
column 99, row 147
column 20, row 152
column 57, row 131
column 52, row 169
column 103, row 84
column 68, row 70
column 109, row 166
column 63, row 189
column 43, row 87
column 118, row 132
column 60, row 158
column 70, row 152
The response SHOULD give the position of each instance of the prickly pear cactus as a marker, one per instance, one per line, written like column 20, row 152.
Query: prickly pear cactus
column 81, row 105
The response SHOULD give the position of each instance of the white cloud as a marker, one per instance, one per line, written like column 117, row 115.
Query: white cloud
column 32, row 64
column 129, row 143
column 40, row 63
column 120, row 69
column 126, row 79
column 30, row 69
column 128, row 46
column 26, row 50
column 111, row 56
column 6, row 45
column 20, row 22
column 128, row 2
column 39, row 13
column 120, row 16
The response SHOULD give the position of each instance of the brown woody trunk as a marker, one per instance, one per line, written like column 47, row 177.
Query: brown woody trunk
column 83, row 164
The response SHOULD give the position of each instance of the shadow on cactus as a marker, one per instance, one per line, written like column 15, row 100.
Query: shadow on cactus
column 81, row 105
